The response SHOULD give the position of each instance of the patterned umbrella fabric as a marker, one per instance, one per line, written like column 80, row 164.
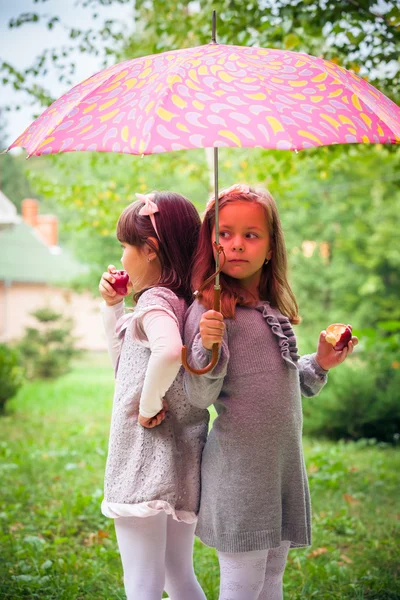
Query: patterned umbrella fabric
column 215, row 95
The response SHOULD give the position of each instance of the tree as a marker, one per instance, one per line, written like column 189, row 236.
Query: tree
column 11, row 374
column 13, row 181
column 48, row 349
column 355, row 33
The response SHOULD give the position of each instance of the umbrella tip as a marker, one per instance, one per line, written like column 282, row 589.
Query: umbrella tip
column 214, row 27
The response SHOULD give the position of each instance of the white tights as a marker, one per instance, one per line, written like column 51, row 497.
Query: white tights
column 157, row 554
column 253, row 575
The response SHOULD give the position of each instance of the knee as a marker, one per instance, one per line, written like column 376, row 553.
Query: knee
column 143, row 586
column 176, row 569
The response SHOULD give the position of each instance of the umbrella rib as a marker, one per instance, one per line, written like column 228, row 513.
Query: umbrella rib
column 65, row 115
column 167, row 95
column 365, row 101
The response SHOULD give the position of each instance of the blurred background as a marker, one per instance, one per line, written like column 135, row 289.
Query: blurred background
column 340, row 210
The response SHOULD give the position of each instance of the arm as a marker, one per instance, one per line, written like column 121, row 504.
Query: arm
column 312, row 376
column 162, row 333
column 203, row 390
column 111, row 314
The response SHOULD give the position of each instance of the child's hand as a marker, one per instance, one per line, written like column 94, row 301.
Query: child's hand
column 107, row 292
column 212, row 328
column 151, row 422
column 327, row 357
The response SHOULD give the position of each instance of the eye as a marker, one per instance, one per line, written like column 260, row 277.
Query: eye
column 251, row 236
column 223, row 234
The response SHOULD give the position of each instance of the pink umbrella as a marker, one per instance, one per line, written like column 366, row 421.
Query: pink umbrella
column 215, row 96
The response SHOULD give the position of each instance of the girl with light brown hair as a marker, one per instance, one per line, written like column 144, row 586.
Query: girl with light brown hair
column 255, row 502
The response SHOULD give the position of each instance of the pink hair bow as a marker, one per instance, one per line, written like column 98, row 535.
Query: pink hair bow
column 148, row 209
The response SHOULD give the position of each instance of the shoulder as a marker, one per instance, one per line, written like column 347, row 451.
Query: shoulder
column 162, row 297
column 156, row 295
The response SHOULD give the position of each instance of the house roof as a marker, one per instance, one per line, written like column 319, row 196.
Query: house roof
column 24, row 257
column 8, row 212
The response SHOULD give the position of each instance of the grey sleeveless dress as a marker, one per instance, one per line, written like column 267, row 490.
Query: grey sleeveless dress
column 152, row 469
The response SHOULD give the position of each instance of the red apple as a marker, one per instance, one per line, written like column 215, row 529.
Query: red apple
column 338, row 335
column 120, row 284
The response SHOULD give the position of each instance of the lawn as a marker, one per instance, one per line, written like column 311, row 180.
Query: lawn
column 55, row 544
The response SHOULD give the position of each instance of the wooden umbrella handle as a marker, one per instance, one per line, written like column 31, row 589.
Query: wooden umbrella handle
column 211, row 365
column 215, row 348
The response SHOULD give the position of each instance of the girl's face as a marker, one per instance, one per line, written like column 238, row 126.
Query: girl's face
column 244, row 236
column 141, row 264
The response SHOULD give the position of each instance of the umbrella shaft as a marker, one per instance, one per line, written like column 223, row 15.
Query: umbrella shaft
column 216, row 287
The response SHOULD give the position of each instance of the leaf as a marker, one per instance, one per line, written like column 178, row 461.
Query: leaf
column 346, row 559
column 35, row 541
column 350, row 499
column 389, row 325
column 291, row 41
column 96, row 538
column 312, row 469
column 318, row 552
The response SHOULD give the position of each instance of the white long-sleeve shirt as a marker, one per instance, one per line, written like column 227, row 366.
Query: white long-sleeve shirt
column 159, row 331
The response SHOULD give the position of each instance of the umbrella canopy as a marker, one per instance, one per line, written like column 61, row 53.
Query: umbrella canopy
column 214, row 96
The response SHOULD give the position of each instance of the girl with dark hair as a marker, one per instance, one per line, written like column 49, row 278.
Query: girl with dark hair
column 254, row 492
column 153, row 467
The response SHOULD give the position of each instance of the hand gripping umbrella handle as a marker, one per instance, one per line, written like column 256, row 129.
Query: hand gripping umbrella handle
column 217, row 307
column 215, row 348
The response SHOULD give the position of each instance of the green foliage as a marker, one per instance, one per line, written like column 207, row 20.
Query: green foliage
column 13, row 181
column 47, row 350
column 360, row 401
column 11, row 377
column 65, row 548
column 89, row 191
column 357, row 35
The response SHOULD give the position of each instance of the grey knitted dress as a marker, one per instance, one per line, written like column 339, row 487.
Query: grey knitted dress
column 152, row 469
column 254, row 488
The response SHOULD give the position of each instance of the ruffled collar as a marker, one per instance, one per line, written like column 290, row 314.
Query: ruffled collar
column 282, row 329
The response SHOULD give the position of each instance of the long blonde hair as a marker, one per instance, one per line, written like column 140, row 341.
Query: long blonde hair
column 274, row 285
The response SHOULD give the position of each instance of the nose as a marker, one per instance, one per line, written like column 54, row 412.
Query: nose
column 238, row 245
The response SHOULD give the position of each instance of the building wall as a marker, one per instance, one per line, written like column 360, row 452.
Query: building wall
column 18, row 300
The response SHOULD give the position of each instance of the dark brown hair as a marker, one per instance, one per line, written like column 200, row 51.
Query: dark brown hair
column 178, row 225
column 274, row 285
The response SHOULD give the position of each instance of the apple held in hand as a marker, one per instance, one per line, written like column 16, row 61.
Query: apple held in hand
column 338, row 335
column 120, row 284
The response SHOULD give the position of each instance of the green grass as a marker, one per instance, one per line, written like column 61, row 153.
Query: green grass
column 55, row 544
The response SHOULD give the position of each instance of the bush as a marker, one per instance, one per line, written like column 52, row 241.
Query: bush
column 10, row 374
column 358, row 402
column 47, row 351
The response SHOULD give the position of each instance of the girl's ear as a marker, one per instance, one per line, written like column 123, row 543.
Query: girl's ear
column 148, row 250
column 269, row 254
